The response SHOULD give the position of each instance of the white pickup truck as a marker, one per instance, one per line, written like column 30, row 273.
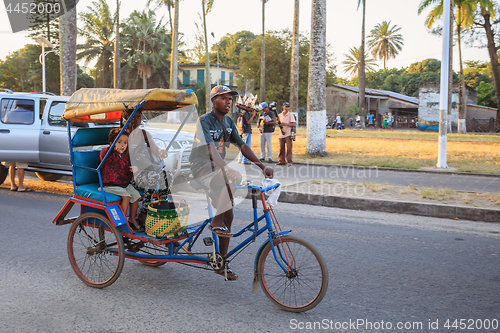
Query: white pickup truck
column 31, row 130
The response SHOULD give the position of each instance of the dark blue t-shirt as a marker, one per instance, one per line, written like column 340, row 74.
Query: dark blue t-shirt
column 209, row 130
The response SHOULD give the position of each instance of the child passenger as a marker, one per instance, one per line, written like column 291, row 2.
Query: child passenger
column 117, row 172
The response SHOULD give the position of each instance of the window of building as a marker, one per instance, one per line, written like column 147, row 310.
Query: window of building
column 186, row 76
column 200, row 76
column 231, row 79
column 223, row 77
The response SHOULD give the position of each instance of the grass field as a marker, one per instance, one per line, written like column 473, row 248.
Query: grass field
column 406, row 149
column 475, row 153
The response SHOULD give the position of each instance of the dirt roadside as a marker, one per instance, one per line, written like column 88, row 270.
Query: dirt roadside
column 355, row 190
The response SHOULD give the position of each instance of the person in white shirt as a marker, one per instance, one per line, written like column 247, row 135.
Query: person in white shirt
column 338, row 122
column 358, row 122
column 288, row 122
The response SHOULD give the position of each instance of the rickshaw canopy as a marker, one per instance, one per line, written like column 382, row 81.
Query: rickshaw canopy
column 106, row 105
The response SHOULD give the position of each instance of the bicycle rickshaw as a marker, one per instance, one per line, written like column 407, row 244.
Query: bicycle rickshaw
column 290, row 271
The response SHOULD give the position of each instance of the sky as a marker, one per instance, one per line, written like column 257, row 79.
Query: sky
column 343, row 25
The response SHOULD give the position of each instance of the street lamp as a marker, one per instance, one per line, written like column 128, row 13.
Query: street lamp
column 43, row 43
column 217, row 45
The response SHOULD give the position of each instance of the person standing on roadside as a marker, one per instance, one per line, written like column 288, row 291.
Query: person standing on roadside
column 288, row 122
column 338, row 122
column 247, row 118
column 20, row 166
column 370, row 120
column 267, row 123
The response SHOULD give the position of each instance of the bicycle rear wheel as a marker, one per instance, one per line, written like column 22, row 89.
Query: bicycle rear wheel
column 303, row 283
column 95, row 250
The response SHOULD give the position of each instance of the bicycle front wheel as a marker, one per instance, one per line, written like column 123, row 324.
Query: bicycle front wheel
column 303, row 282
column 95, row 250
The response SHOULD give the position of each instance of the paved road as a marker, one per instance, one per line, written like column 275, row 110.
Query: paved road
column 383, row 267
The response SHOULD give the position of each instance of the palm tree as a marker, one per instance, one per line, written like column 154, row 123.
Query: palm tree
column 169, row 4
column 117, row 58
column 263, row 55
column 146, row 43
column 353, row 62
column 67, row 51
column 174, row 29
column 385, row 42
column 362, row 69
column 98, row 29
column 294, row 70
column 174, row 60
column 464, row 18
column 316, row 90
column 206, row 7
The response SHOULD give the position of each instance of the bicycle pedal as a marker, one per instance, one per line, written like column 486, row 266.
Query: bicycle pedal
column 208, row 241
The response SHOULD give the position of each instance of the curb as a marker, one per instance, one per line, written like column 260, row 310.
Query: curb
column 400, row 170
column 399, row 207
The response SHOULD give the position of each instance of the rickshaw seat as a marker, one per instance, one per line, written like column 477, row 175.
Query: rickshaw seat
column 90, row 136
column 87, row 181
column 91, row 191
column 89, row 159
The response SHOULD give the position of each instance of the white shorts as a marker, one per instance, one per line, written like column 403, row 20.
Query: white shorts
column 19, row 165
column 128, row 191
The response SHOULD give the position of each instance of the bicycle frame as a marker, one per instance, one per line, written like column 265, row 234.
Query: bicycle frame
column 253, row 227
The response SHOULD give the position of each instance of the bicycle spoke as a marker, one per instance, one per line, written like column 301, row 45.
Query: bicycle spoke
column 95, row 249
column 303, row 283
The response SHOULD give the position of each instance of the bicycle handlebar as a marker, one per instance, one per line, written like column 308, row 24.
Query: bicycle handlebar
column 257, row 187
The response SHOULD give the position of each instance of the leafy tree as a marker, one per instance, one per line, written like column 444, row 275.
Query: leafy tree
column 352, row 64
column 406, row 80
column 427, row 65
column 278, row 46
column 385, row 41
column 486, row 94
column 98, row 30
column 475, row 72
column 146, row 44
column 83, row 79
column 231, row 46
column 22, row 71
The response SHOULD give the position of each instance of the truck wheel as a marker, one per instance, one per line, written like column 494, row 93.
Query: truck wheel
column 3, row 173
column 48, row 177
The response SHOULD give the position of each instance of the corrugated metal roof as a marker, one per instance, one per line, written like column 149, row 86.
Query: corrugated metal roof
column 191, row 64
column 481, row 107
column 381, row 93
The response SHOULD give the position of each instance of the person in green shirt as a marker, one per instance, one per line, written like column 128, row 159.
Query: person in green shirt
column 215, row 131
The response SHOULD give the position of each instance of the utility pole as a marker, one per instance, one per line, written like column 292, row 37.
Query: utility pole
column 444, row 87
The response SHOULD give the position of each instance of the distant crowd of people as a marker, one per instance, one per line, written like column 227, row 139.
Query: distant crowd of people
column 387, row 122
column 267, row 122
